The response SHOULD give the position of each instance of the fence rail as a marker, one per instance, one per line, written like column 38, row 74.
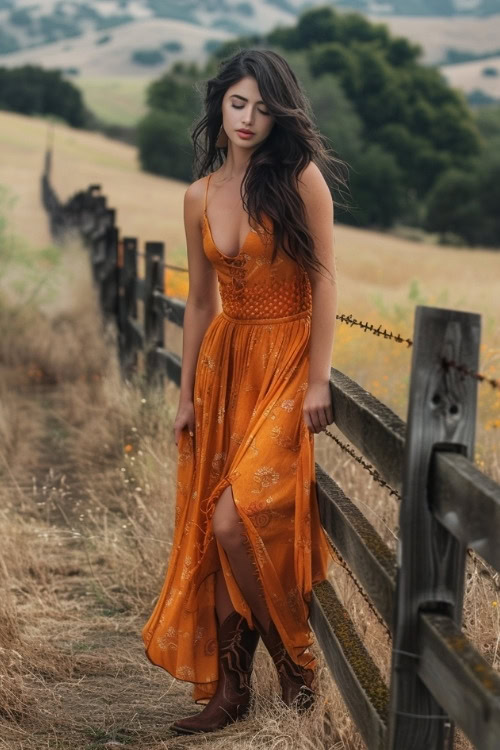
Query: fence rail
column 437, row 678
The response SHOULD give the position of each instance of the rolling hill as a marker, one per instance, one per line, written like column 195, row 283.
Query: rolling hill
column 113, row 48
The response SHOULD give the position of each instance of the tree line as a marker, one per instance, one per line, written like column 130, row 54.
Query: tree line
column 418, row 155
column 32, row 90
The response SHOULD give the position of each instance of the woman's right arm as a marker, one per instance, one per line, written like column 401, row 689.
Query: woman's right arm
column 202, row 304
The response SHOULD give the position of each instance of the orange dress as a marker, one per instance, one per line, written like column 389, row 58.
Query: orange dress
column 250, row 383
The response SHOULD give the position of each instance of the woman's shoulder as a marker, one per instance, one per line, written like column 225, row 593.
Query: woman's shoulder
column 312, row 185
column 196, row 189
column 311, row 175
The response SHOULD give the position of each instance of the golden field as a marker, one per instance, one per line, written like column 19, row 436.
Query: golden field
column 87, row 463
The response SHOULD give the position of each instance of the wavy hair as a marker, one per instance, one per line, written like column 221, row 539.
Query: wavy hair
column 270, row 179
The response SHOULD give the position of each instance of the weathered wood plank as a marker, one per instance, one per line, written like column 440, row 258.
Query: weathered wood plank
column 460, row 680
column 467, row 503
column 170, row 363
column 140, row 286
column 137, row 332
column 369, row 558
column 108, row 275
column 128, row 354
column 357, row 676
column 431, row 562
column 172, row 309
column 370, row 425
column 153, row 320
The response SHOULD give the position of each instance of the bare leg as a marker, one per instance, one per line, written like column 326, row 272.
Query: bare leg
column 229, row 529
column 223, row 603
column 230, row 532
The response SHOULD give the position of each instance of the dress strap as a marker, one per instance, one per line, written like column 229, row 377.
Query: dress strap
column 206, row 194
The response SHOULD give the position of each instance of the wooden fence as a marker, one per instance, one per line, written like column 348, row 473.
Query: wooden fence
column 438, row 679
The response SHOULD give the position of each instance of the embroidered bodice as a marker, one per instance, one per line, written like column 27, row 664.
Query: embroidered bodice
column 250, row 285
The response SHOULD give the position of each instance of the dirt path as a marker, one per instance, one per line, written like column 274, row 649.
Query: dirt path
column 98, row 689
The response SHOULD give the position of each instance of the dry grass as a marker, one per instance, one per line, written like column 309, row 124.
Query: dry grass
column 88, row 486
column 83, row 559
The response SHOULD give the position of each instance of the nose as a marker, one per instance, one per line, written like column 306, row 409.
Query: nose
column 247, row 115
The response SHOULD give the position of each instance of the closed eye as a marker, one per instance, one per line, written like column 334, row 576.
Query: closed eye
column 261, row 112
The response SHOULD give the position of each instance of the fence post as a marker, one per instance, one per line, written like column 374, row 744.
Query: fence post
column 109, row 270
column 121, row 311
column 128, row 354
column 153, row 319
column 431, row 562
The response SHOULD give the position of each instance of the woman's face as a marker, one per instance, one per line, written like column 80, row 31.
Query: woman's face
column 243, row 109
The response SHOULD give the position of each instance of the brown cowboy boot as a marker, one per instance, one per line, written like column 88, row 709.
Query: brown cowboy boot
column 295, row 680
column 231, row 701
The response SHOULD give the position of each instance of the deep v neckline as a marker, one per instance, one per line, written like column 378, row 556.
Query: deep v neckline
column 205, row 214
column 228, row 257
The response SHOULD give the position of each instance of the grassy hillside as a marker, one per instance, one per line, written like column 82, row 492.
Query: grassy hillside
column 437, row 34
column 115, row 100
column 469, row 76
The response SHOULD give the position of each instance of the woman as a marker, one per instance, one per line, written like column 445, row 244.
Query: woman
column 248, row 543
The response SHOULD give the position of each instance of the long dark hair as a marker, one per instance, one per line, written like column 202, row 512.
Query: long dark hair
column 270, row 179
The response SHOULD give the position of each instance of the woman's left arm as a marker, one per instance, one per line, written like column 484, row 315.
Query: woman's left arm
column 317, row 409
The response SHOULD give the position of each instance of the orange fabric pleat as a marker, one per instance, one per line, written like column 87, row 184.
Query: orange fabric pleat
column 250, row 383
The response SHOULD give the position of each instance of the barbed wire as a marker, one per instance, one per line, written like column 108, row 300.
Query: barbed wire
column 470, row 373
column 367, row 466
column 378, row 330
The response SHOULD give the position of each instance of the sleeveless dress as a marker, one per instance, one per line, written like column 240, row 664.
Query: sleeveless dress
column 250, row 383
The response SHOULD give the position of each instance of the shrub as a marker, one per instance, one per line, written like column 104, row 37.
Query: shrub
column 147, row 57
column 165, row 145
column 173, row 46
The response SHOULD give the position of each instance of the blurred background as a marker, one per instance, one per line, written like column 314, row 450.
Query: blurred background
column 407, row 92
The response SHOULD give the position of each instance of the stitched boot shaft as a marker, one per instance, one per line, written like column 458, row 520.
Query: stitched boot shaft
column 231, row 701
column 295, row 680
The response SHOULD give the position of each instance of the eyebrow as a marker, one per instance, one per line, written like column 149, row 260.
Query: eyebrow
column 245, row 100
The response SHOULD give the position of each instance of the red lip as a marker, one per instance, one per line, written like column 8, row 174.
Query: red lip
column 249, row 132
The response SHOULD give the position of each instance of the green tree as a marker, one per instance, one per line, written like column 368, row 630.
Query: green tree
column 488, row 197
column 316, row 26
column 401, row 51
column 174, row 93
column 377, row 189
column 334, row 113
column 337, row 59
column 487, row 120
column 165, row 144
column 31, row 90
column 147, row 56
column 452, row 204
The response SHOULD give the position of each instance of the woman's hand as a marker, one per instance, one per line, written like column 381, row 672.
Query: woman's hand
column 184, row 418
column 318, row 409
